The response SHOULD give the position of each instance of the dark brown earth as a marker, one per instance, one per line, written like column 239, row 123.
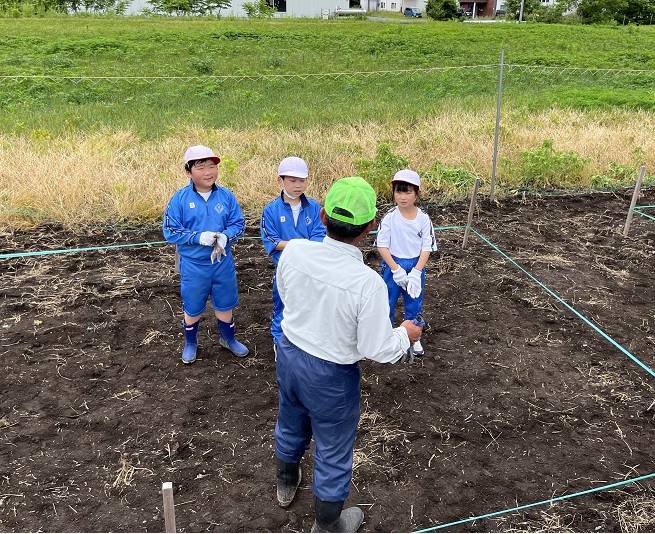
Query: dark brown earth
column 518, row 399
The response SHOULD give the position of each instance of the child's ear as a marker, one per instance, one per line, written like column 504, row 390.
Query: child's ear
column 280, row 180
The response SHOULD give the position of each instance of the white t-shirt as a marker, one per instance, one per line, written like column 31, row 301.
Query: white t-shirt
column 296, row 211
column 406, row 238
column 336, row 307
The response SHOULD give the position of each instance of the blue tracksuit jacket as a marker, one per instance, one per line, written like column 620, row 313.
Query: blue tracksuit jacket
column 277, row 224
column 187, row 215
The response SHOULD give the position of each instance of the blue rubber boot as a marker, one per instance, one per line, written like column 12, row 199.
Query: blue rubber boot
column 191, row 345
column 226, row 331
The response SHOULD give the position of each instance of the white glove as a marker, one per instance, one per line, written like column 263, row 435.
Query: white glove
column 219, row 248
column 414, row 283
column 400, row 277
column 207, row 238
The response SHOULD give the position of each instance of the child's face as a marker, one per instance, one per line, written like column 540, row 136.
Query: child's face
column 405, row 199
column 203, row 175
column 294, row 187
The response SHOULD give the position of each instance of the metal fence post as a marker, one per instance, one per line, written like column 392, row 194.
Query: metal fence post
column 500, row 97
column 633, row 203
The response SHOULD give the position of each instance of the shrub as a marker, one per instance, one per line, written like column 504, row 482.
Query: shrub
column 451, row 181
column 545, row 168
column 259, row 9
column 441, row 9
column 380, row 171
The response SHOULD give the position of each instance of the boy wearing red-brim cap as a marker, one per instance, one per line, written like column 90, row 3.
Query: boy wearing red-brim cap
column 203, row 220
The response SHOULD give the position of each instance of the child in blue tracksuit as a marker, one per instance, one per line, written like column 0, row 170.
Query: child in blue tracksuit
column 405, row 239
column 203, row 220
column 292, row 215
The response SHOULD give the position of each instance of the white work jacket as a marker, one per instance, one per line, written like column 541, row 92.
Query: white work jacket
column 336, row 307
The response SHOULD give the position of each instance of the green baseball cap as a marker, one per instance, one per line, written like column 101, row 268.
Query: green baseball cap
column 351, row 200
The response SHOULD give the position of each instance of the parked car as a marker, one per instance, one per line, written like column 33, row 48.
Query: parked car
column 413, row 12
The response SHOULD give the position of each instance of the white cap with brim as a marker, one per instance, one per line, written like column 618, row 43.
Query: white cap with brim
column 409, row 176
column 197, row 152
column 293, row 166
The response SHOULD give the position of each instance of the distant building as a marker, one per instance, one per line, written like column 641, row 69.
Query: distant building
column 484, row 8
column 392, row 5
column 285, row 8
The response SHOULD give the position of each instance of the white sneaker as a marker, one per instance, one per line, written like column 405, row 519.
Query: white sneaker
column 417, row 349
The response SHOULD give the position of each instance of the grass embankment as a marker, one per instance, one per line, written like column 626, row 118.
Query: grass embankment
column 88, row 150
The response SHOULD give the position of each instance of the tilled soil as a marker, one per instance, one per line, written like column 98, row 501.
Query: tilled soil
column 537, row 384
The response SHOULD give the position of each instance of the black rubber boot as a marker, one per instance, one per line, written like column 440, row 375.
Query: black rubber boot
column 288, row 480
column 331, row 517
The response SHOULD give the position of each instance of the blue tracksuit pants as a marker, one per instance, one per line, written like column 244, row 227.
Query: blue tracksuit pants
column 412, row 306
column 320, row 399
column 278, row 309
column 200, row 280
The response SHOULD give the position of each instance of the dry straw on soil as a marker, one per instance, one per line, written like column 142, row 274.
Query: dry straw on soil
column 115, row 177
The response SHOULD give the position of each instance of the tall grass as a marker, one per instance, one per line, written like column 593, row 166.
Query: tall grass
column 109, row 177
column 80, row 146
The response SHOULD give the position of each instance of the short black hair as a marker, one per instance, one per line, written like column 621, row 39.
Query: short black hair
column 188, row 166
column 404, row 187
column 342, row 230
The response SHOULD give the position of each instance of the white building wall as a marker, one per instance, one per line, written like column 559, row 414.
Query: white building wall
column 393, row 5
column 390, row 5
column 295, row 8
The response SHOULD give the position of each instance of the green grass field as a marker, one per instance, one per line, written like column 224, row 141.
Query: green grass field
column 134, row 46
column 349, row 96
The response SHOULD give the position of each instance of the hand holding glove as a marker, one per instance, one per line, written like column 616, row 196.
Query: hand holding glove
column 207, row 238
column 414, row 283
column 400, row 277
column 219, row 247
column 414, row 330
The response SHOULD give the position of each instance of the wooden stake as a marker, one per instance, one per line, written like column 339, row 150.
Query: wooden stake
column 474, row 196
column 635, row 196
column 169, row 507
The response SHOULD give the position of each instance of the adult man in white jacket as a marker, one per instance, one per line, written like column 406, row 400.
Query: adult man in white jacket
column 336, row 312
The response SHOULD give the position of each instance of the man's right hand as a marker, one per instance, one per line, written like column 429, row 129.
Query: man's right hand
column 207, row 238
column 413, row 331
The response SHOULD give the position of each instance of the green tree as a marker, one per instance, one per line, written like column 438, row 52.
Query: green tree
column 259, row 9
column 513, row 8
column 601, row 11
column 188, row 7
column 441, row 9
column 640, row 11
column 551, row 14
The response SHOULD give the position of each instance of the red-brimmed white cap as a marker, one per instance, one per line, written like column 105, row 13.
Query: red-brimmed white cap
column 197, row 152
column 293, row 166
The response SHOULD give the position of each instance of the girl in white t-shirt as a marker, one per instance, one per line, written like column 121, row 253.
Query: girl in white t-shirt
column 405, row 239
